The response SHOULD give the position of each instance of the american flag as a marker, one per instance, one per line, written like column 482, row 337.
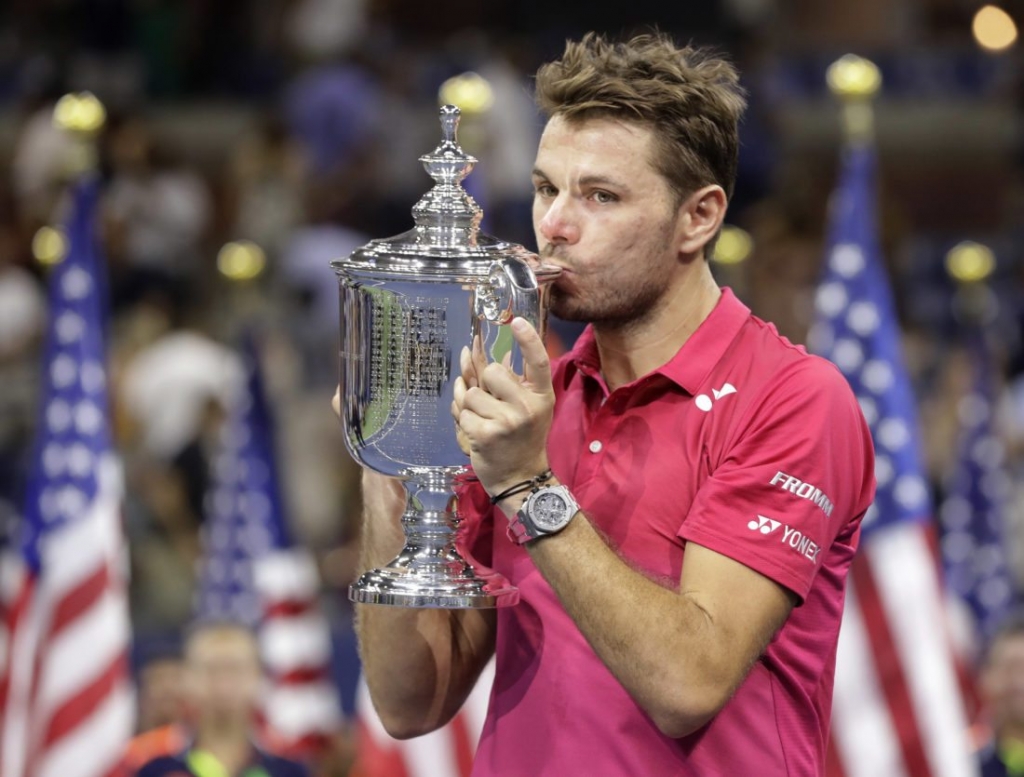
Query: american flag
column 66, row 702
column 252, row 573
column 971, row 515
column 897, row 709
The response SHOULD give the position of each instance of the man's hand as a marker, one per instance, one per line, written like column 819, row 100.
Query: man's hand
column 382, row 495
column 503, row 419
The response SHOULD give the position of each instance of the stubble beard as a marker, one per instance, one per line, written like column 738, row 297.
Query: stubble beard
column 615, row 308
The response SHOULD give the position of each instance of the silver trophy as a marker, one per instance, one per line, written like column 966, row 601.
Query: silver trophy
column 408, row 306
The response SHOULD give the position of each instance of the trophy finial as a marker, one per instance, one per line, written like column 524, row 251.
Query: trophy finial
column 450, row 115
column 447, row 215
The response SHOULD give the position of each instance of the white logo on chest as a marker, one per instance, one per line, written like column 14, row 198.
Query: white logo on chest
column 705, row 403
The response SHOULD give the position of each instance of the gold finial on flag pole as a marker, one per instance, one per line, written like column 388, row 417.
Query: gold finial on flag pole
column 82, row 116
column 855, row 80
column 971, row 264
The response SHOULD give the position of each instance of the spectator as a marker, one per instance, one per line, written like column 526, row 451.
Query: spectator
column 223, row 678
column 1002, row 688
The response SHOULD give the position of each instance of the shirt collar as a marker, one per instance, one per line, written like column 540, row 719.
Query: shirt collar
column 693, row 362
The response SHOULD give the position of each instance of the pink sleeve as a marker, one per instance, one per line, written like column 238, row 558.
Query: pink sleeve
column 474, row 538
column 798, row 470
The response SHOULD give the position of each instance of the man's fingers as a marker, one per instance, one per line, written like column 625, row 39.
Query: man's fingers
column 336, row 402
column 467, row 367
column 479, row 359
column 483, row 404
column 536, row 366
column 458, row 397
column 503, row 384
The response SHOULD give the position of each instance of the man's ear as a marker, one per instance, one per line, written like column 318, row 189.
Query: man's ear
column 701, row 216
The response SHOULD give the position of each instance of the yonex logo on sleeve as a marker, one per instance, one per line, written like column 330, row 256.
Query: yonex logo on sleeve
column 764, row 525
column 803, row 490
column 795, row 539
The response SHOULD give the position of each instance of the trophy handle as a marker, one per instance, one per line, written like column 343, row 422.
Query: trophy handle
column 513, row 288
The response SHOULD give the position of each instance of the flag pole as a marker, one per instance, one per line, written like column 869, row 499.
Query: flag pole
column 855, row 81
column 82, row 116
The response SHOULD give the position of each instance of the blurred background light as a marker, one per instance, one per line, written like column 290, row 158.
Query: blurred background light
column 969, row 262
column 994, row 29
column 853, row 75
column 734, row 245
column 469, row 91
column 241, row 260
column 49, row 246
column 79, row 112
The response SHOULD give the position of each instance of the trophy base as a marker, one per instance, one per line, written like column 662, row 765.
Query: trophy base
column 408, row 588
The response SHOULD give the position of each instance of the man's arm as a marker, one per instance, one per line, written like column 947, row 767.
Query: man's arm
column 419, row 664
column 680, row 654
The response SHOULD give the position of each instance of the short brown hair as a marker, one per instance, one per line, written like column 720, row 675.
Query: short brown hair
column 689, row 97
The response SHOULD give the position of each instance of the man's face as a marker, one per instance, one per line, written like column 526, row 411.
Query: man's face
column 1002, row 681
column 607, row 217
column 160, row 693
column 224, row 673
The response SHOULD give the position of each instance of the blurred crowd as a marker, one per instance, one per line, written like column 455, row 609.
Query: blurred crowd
column 296, row 124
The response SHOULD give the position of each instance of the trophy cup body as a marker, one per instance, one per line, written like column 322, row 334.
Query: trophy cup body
column 408, row 306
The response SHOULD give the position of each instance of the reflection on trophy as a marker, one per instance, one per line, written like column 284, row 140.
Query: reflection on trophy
column 408, row 306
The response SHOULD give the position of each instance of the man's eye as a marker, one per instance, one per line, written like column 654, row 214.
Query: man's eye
column 604, row 197
column 545, row 190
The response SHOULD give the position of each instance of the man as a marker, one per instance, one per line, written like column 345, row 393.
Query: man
column 223, row 677
column 161, row 707
column 1002, row 686
column 160, row 690
column 683, row 617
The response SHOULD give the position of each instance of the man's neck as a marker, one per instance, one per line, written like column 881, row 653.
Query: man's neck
column 633, row 350
column 227, row 741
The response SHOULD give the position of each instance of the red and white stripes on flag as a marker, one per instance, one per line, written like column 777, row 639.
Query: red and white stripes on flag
column 447, row 752
column 897, row 709
column 67, row 703
column 301, row 707
column 252, row 573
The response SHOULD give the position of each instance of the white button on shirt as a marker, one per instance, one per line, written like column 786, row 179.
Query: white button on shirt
column 595, row 446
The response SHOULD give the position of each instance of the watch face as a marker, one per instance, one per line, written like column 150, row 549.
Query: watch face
column 549, row 511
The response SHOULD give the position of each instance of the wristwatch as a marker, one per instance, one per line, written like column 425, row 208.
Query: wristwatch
column 546, row 511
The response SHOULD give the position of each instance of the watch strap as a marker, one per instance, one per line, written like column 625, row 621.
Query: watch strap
column 518, row 531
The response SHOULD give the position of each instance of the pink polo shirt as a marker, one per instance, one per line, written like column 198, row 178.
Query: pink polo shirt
column 742, row 443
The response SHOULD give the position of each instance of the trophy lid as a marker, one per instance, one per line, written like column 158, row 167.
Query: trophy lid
column 447, row 234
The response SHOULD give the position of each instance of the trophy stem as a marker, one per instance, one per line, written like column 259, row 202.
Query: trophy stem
column 430, row 571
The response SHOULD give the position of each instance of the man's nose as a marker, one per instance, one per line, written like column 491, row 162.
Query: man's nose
column 559, row 223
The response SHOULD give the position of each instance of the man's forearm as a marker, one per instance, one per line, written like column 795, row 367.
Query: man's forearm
column 420, row 664
column 656, row 642
column 661, row 645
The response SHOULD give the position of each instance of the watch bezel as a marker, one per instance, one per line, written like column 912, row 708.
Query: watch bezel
column 528, row 517
column 541, row 511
